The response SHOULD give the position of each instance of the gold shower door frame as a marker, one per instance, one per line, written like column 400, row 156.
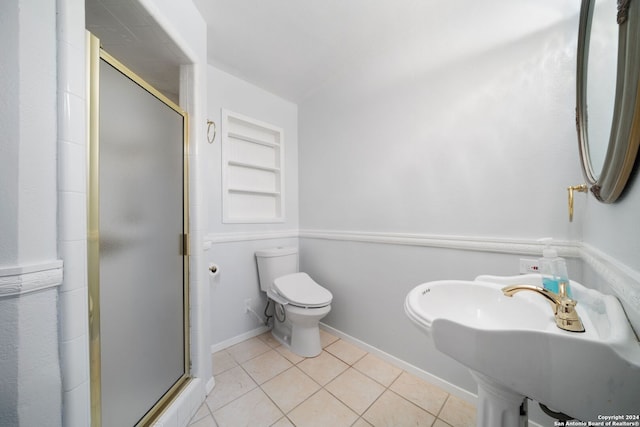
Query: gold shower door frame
column 94, row 55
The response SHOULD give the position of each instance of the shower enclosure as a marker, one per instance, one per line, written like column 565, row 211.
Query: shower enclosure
column 137, row 245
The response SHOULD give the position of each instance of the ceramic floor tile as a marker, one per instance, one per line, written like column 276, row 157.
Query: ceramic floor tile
column 361, row 423
column 268, row 339
column 230, row 385
column 207, row 421
column 266, row 366
column 203, row 411
column 254, row 409
column 420, row 392
column 327, row 338
column 322, row 410
column 222, row 361
column 391, row 410
column 248, row 349
column 290, row 388
column 458, row 413
column 376, row 368
column 323, row 368
column 283, row 422
column 346, row 352
column 328, row 390
column 355, row 390
column 291, row 356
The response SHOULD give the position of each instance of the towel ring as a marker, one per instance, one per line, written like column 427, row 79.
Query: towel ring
column 209, row 137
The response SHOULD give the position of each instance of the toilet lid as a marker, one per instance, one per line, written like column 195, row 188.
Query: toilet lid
column 301, row 290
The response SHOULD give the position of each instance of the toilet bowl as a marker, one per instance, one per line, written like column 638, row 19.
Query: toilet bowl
column 300, row 303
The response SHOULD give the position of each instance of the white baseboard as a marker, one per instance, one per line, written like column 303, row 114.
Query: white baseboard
column 401, row 364
column 450, row 388
column 210, row 385
column 445, row 385
column 238, row 339
column 432, row 379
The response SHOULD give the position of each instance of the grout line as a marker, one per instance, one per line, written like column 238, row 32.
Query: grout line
column 404, row 366
column 443, row 405
column 285, row 414
column 322, row 387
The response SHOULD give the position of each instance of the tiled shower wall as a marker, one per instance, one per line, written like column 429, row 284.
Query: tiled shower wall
column 72, row 200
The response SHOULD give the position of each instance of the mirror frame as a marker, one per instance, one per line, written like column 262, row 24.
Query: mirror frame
column 624, row 140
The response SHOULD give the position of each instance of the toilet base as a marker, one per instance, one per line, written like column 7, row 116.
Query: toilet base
column 300, row 332
column 281, row 333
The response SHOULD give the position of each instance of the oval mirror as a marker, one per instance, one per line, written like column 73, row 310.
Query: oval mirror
column 608, row 98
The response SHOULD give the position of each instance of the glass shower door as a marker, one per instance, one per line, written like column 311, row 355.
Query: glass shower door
column 140, row 238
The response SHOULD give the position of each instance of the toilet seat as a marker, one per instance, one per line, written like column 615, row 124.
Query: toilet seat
column 300, row 290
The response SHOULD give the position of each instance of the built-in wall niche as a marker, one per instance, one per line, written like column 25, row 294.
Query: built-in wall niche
column 252, row 170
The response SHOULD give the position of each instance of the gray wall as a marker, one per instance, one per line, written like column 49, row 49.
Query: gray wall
column 234, row 244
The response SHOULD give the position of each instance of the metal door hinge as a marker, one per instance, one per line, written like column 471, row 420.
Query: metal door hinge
column 184, row 243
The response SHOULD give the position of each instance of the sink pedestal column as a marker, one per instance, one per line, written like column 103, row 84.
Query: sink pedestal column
column 498, row 406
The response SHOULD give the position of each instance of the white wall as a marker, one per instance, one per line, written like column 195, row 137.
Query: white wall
column 612, row 230
column 28, row 221
column 28, row 120
column 484, row 145
column 9, row 123
column 30, row 383
column 234, row 244
column 30, row 387
column 231, row 93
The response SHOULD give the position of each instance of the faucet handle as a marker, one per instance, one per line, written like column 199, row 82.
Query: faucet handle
column 564, row 308
column 567, row 317
column 563, row 289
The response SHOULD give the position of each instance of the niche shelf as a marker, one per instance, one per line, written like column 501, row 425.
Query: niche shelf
column 252, row 170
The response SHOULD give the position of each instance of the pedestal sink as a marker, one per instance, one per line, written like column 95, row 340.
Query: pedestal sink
column 515, row 350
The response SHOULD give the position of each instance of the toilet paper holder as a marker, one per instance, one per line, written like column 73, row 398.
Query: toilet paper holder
column 214, row 270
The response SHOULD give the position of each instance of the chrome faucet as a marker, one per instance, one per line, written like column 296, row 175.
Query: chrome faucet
column 564, row 308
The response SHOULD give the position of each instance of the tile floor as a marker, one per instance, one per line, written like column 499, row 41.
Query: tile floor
column 261, row 383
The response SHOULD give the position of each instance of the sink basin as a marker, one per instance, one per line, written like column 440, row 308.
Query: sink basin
column 514, row 343
column 476, row 304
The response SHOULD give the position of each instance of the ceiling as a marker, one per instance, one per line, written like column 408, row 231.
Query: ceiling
column 293, row 47
column 133, row 37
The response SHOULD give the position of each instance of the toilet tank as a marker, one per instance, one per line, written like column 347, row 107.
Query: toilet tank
column 274, row 263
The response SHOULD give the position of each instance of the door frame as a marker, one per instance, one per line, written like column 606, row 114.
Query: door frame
column 94, row 55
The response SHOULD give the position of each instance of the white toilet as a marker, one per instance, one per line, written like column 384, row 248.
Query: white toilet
column 300, row 302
